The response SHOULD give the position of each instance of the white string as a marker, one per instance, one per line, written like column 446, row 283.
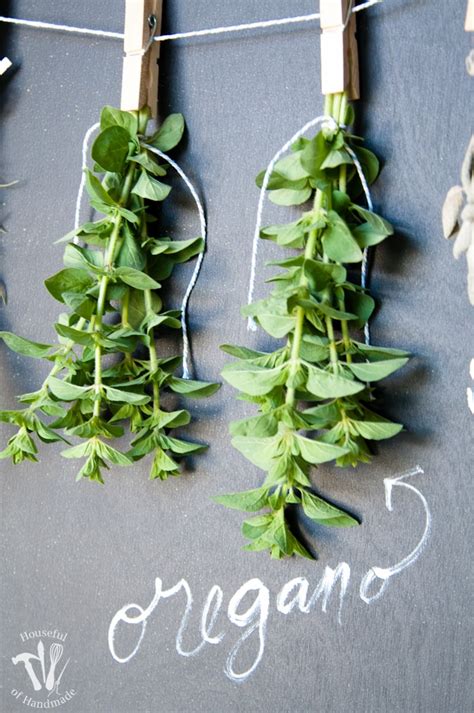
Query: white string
column 197, row 269
column 183, row 35
column 251, row 325
column 82, row 185
column 202, row 220
column 61, row 28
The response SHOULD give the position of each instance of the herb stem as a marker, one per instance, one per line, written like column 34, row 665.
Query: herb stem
column 111, row 253
column 152, row 353
column 343, row 187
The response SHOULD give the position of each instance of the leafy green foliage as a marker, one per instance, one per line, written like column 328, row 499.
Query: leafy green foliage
column 313, row 393
column 106, row 376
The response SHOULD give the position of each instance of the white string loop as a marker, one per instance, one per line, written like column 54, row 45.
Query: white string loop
column 251, row 325
column 330, row 122
column 202, row 220
column 82, row 185
column 197, row 268
column 183, row 35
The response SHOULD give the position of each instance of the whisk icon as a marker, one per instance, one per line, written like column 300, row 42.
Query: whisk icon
column 55, row 653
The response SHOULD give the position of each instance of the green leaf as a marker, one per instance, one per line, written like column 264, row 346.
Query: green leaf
column 180, row 447
column 112, row 455
column 279, row 532
column 241, row 352
column 256, row 526
column 369, row 163
column 377, row 223
column 131, row 254
column 169, row 134
column 64, row 391
column 71, row 279
column 135, row 278
column 320, row 274
column 151, row 188
column 360, row 303
column 76, row 335
column 335, row 158
column 115, row 117
column 127, row 397
column 181, row 250
column 136, row 306
column 265, row 424
column 248, row 500
column 290, row 196
column 96, row 190
column 259, row 451
column 110, row 149
column 375, row 427
column 149, row 163
column 191, row 388
column 376, row 370
column 25, row 347
column 252, row 379
column 316, row 451
column 314, row 153
column 366, row 236
column 375, row 352
column 78, row 257
column 173, row 419
column 338, row 242
column 80, row 451
column 291, row 168
column 330, row 386
column 290, row 235
column 324, row 513
column 276, row 325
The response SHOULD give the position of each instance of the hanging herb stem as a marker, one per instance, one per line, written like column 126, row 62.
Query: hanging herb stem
column 119, row 273
column 312, row 393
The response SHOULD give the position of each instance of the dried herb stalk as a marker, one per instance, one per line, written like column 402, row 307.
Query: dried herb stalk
column 314, row 393
column 106, row 374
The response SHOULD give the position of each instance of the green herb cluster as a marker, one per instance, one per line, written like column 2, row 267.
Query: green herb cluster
column 106, row 375
column 313, row 394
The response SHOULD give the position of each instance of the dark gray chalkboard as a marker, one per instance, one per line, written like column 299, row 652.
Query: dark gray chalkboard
column 75, row 554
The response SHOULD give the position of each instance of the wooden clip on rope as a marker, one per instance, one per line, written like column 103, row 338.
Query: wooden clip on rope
column 140, row 63
column 339, row 59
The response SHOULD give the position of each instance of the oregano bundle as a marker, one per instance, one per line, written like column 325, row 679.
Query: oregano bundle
column 314, row 394
column 107, row 376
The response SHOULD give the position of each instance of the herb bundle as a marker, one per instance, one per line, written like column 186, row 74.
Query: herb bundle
column 321, row 380
column 106, row 374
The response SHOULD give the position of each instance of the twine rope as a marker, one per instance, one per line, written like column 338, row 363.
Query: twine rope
column 226, row 29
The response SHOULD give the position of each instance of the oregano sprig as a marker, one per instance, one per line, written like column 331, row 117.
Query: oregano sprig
column 106, row 374
column 314, row 393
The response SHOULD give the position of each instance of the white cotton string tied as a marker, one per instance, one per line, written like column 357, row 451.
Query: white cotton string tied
column 197, row 268
column 251, row 325
column 202, row 221
column 331, row 124
column 246, row 27
column 82, row 185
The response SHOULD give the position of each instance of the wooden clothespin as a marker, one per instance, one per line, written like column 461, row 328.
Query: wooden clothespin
column 5, row 64
column 469, row 24
column 140, row 63
column 339, row 58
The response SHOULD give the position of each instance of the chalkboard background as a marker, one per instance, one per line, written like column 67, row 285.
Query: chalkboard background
column 76, row 553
